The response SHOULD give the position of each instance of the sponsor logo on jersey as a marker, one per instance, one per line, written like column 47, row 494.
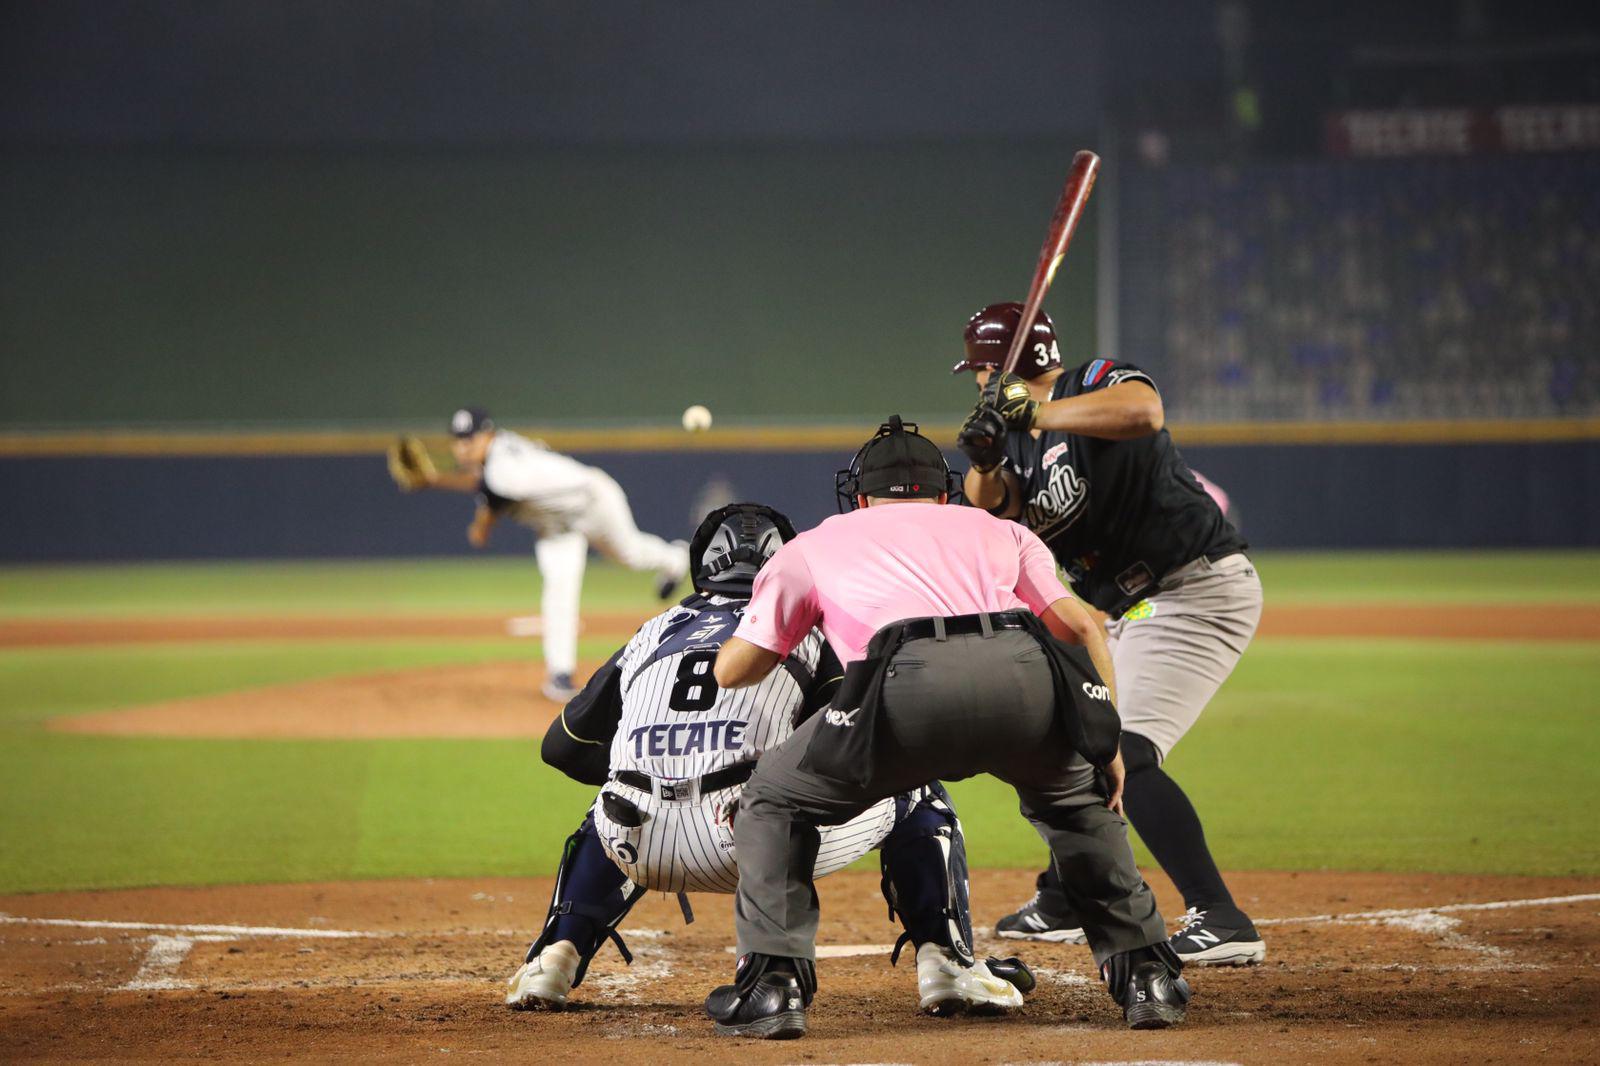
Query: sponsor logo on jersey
column 843, row 719
column 1117, row 377
column 624, row 852
column 1096, row 692
column 687, row 738
column 1095, row 371
column 1059, row 503
column 1053, row 453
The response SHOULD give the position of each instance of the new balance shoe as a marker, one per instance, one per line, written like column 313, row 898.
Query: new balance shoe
column 1155, row 997
column 773, row 1009
column 545, row 982
column 1047, row 916
column 946, row 987
column 1204, row 940
column 559, row 688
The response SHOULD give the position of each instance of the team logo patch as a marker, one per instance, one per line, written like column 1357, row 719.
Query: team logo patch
column 624, row 852
column 1139, row 611
column 1096, row 370
column 1053, row 453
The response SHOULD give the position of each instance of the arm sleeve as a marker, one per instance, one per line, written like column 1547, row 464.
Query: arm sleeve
column 1037, row 583
column 1100, row 374
column 578, row 742
column 783, row 605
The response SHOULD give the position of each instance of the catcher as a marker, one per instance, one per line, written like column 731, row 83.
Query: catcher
column 672, row 751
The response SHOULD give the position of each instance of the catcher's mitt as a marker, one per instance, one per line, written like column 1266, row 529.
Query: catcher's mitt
column 410, row 465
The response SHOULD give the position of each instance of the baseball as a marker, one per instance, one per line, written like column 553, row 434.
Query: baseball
column 697, row 418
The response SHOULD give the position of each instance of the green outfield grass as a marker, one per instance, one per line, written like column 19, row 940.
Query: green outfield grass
column 1399, row 755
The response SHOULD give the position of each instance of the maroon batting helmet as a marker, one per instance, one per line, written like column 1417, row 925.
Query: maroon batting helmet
column 989, row 334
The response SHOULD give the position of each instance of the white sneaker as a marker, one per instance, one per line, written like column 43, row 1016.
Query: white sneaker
column 947, row 987
column 545, row 982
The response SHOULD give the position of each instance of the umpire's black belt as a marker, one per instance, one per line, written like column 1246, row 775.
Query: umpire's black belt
column 963, row 625
column 685, row 787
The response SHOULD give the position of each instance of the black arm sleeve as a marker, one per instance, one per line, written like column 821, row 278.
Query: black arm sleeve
column 578, row 742
column 823, row 684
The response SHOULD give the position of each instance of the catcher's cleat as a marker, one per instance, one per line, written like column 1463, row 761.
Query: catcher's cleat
column 1204, row 940
column 946, row 987
column 773, row 1009
column 558, row 688
column 1155, row 997
column 1047, row 917
column 545, row 982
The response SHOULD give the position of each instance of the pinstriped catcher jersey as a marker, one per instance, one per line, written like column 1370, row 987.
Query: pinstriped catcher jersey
column 675, row 721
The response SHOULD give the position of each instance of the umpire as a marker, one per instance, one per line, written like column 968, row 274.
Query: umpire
column 948, row 622
column 1082, row 459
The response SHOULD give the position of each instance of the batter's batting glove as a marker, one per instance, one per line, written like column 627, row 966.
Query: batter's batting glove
column 1009, row 395
column 983, row 438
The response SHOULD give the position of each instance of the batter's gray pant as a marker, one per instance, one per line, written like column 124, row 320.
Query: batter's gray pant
column 951, row 709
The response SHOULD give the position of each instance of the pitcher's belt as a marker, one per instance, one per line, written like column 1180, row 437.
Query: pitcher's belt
column 683, row 787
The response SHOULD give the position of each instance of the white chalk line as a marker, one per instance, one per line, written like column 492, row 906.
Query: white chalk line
column 224, row 930
column 167, row 952
column 1443, row 908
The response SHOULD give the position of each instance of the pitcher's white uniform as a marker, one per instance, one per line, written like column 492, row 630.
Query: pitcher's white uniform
column 677, row 726
column 570, row 506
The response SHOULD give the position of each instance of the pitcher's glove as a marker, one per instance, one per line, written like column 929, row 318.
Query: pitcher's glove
column 1008, row 394
column 410, row 465
column 983, row 438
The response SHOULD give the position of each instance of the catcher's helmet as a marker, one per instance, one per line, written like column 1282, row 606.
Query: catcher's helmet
column 732, row 544
column 988, row 338
column 897, row 462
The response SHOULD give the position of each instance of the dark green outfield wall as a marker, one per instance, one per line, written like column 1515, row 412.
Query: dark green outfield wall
column 581, row 285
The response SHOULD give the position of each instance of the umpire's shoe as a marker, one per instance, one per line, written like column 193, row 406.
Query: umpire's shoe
column 1210, row 938
column 767, row 1000
column 1147, row 986
column 546, row 981
column 1047, row 916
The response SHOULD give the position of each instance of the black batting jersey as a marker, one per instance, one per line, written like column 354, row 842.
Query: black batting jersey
column 1118, row 515
column 660, row 707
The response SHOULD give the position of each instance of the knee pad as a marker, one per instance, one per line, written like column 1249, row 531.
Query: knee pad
column 1138, row 753
column 590, row 900
column 924, row 861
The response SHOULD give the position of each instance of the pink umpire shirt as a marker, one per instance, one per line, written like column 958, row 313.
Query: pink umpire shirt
column 857, row 572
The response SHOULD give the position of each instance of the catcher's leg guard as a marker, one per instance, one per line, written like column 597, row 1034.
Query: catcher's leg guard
column 924, row 861
column 590, row 900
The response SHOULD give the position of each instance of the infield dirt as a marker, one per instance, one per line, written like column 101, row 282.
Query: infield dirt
column 423, row 978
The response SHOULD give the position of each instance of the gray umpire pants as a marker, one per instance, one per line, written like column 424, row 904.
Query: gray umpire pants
column 951, row 709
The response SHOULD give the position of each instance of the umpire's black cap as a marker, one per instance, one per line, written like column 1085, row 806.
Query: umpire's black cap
column 897, row 463
column 470, row 421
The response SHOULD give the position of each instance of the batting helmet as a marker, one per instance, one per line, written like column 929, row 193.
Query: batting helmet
column 731, row 545
column 897, row 462
column 988, row 338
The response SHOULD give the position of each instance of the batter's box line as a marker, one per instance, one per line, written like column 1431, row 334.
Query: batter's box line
column 196, row 931
column 1364, row 917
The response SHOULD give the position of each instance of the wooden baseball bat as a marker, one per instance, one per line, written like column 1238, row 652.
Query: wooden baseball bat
column 1069, row 209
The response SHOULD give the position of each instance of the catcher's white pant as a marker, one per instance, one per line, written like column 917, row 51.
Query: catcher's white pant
column 687, row 845
column 562, row 552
